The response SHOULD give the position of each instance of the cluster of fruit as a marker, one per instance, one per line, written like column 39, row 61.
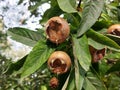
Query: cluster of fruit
column 59, row 62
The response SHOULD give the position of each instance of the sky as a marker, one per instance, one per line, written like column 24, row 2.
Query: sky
column 13, row 15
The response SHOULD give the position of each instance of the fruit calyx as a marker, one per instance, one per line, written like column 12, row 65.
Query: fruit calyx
column 54, row 82
column 57, row 29
column 59, row 62
column 114, row 29
column 96, row 54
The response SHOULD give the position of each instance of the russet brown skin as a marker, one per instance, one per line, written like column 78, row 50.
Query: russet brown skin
column 59, row 62
column 54, row 82
column 96, row 54
column 57, row 30
column 114, row 29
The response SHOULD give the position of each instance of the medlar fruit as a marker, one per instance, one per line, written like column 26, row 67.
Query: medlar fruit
column 54, row 82
column 96, row 54
column 57, row 29
column 59, row 62
column 114, row 29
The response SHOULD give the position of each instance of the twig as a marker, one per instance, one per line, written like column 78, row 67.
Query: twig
column 79, row 6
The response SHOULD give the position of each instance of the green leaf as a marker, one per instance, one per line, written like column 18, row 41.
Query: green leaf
column 15, row 66
column 66, row 6
column 25, row 36
column 53, row 11
column 115, row 67
column 95, row 44
column 103, row 67
column 118, row 12
column 73, row 3
column 88, row 85
column 94, row 80
column 79, row 76
column 115, row 55
column 81, row 51
column 71, row 81
column 43, row 87
column 91, row 12
column 114, row 37
column 113, row 82
column 101, row 39
column 36, row 58
column 79, row 72
column 73, row 19
column 20, row 1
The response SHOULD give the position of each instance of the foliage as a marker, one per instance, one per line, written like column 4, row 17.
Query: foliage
column 88, row 28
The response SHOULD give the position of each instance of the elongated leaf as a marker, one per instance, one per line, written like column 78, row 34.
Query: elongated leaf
column 114, row 82
column 15, row 66
column 71, row 82
column 113, row 55
column 73, row 3
column 94, row 81
column 81, row 51
column 91, row 12
column 43, row 87
column 66, row 6
column 53, row 11
column 103, row 68
column 89, row 86
column 22, row 39
column 66, row 83
column 118, row 11
column 25, row 36
column 73, row 19
column 114, row 37
column 36, row 58
column 101, row 39
column 95, row 44
column 79, row 77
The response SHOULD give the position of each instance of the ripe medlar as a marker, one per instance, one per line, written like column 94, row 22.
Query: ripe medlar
column 59, row 62
column 96, row 54
column 54, row 82
column 57, row 29
column 114, row 29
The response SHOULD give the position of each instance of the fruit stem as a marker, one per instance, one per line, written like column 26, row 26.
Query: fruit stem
column 79, row 4
column 78, row 7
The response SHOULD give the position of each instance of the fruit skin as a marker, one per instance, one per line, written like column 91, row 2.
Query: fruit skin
column 59, row 62
column 114, row 29
column 96, row 54
column 54, row 82
column 57, row 29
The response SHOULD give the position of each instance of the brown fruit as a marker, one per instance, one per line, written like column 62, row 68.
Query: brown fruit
column 57, row 30
column 54, row 82
column 114, row 29
column 96, row 54
column 59, row 62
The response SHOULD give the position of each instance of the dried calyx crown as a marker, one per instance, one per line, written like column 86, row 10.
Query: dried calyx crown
column 57, row 30
column 59, row 62
column 114, row 29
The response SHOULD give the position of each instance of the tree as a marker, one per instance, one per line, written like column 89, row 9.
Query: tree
column 94, row 53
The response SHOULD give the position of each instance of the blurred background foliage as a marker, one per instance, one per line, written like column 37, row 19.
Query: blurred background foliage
column 31, row 15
